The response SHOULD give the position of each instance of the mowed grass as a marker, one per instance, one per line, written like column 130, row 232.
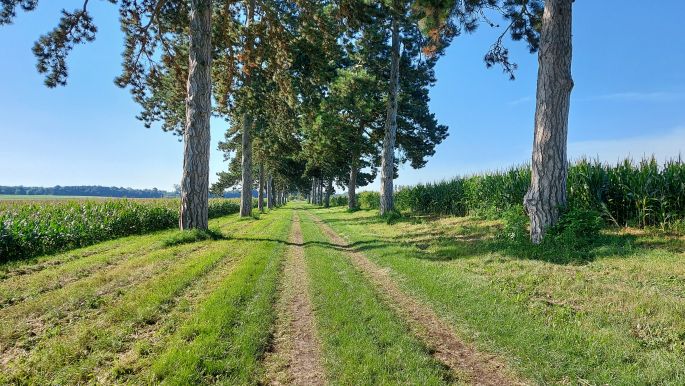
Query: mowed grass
column 619, row 319
column 363, row 341
column 145, row 309
column 199, row 307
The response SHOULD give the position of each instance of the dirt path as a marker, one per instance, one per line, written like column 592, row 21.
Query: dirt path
column 296, row 356
column 478, row 368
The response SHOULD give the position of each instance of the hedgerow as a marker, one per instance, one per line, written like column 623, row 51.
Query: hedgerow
column 369, row 200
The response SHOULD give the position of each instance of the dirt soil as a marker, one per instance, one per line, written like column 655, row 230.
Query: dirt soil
column 295, row 358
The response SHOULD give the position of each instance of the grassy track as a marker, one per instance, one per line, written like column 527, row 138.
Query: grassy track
column 178, row 309
column 364, row 342
column 617, row 320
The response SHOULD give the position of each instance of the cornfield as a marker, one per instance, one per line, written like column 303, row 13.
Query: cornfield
column 30, row 228
column 627, row 194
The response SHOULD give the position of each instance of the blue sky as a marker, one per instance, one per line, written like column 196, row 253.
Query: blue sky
column 629, row 99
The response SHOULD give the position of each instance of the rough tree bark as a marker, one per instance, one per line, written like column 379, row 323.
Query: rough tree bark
column 260, row 199
column 549, row 166
column 246, row 193
column 352, row 189
column 388, row 159
column 196, row 136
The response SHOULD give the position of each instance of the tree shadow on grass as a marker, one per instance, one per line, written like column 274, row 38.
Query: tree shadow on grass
column 361, row 245
column 472, row 239
column 193, row 236
column 438, row 244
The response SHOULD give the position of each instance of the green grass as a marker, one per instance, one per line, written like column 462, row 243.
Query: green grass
column 192, row 236
column 83, row 329
column 229, row 333
column 618, row 319
column 199, row 307
column 363, row 341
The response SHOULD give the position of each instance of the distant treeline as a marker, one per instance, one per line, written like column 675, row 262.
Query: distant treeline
column 97, row 191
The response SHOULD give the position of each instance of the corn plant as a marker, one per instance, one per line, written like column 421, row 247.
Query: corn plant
column 626, row 194
column 30, row 228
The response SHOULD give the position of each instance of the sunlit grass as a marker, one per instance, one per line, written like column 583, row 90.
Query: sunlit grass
column 364, row 342
column 617, row 319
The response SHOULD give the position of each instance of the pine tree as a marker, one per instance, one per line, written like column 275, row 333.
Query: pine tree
column 549, row 166
column 173, row 31
column 410, row 130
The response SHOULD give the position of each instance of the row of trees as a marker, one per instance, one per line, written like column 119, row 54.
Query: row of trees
column 316, row 93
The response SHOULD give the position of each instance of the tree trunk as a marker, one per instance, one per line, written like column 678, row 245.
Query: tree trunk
column 317, row 184
column 270, row 192
column 549, row 166
column 388, row 159
column 317, row 190
column 352, row 189
column 313, row 191
column 196, row 136
column 260, row 200
column 329, row 191
column 321, row 191
column 246, row 194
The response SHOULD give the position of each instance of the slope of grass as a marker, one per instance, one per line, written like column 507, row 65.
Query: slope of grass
column 619, row 319
column 363, row 341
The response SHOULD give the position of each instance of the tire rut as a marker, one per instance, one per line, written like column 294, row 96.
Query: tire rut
column 295, row 358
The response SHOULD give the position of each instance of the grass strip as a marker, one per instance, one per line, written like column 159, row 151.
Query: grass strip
column 226, row 338
column 63, row 269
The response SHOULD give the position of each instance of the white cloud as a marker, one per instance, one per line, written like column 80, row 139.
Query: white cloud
column 663, row 146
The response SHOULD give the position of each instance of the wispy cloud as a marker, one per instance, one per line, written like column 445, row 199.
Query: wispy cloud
column 520, row 101
column 663, row 146
column 655, row 96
